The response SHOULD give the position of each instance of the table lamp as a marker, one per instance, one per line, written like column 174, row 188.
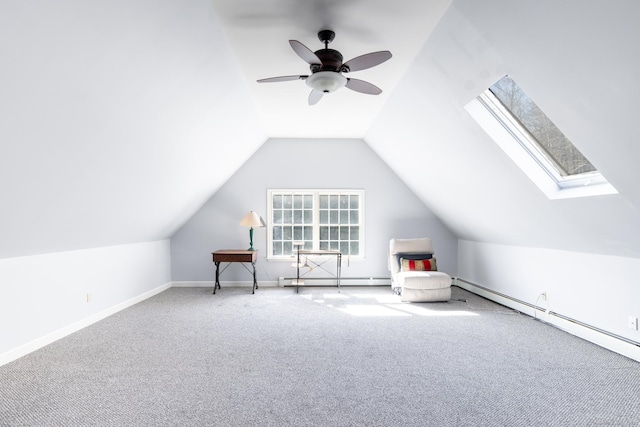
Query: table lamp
column 251, row 220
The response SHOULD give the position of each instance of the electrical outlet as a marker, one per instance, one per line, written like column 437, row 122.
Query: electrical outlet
column 543, row 296
column 633, row 323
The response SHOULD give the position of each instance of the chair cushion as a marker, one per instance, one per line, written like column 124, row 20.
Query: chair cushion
column 410, row 246
column 426, row 295
column 424, row 280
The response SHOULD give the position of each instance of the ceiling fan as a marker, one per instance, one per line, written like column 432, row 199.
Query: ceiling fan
column 327, row 69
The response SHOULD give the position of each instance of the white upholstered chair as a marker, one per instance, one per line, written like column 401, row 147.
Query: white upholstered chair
column 414, row 273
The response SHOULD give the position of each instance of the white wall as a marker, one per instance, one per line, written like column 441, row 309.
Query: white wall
column 119, row 120
column 598, row 290
column 392, row 210
column 44, row 297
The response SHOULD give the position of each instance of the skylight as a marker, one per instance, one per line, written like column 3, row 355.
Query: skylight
column 535, row 143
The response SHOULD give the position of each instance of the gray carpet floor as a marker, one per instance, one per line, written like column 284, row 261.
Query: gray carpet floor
column 358, row 357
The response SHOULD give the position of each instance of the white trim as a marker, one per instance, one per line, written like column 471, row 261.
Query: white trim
column 43, row 341
column 603, row 340
column 224, row 284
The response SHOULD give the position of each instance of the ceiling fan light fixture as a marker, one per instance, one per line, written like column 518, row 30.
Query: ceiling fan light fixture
column 326, row 81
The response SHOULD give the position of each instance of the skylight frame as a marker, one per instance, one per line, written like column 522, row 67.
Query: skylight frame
column 523, row 148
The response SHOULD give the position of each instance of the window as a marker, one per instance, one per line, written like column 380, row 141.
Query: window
column 534, row 142
column 316, row 219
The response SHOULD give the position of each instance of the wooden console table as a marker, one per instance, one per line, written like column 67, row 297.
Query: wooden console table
column 234, row 255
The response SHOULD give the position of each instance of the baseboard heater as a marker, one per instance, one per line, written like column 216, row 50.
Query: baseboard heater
column 544, row 310
column 329, row 281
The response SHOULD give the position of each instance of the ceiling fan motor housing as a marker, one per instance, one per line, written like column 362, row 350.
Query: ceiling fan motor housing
column 331, row 60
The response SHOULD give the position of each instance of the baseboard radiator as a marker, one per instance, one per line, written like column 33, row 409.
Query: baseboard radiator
column 331, row 281
column 556, row 319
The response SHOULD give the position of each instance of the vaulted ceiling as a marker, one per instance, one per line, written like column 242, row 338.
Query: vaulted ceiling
column 120, row 118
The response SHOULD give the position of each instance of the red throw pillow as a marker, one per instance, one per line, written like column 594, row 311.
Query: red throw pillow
column 418, row 264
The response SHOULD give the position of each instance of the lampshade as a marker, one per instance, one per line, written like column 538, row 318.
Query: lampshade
column 252, row 219
column 326, row 81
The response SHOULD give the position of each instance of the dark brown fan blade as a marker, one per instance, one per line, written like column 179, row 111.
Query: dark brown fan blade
column 305, row 53
column 315, row 96
column 366, row 61
column 281, row 79
column 363, row 87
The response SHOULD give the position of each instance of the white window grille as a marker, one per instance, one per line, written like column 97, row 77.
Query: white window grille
column 317, row 220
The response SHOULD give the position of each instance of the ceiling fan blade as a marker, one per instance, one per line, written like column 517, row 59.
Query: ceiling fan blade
column 282, row 79
column 305, row 53
column 363, row 87
column 315, row 96
column 366, row 61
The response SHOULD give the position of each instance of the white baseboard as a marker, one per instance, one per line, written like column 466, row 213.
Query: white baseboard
column 600, row 338
column 38, row 343
column 282, row 281
column 225, row 284
column 345, row 281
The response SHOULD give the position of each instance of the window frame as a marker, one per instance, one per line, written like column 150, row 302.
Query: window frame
column 316, row 193
column 500, row 124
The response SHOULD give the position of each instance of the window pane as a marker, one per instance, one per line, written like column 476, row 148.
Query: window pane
column 324, row 217
column 286, row 217
column 324, row 233
column 308, row 233
column 355, row 201
column 553, row 143
column 287, row 201
column 355, row 233
column 355, row 248
column 277, row 202
column 344, row 233
column 324, row 246
column 287, row 233
column 344, row 202
column 297, row 201
column 277, row 248
column 344, row 248
column 308, row 216
column 333, row 233
column 308, row 201
column 287, row 248
column 297, row 233
column 297, row 216
column 353, row 217
column 333, row 202
column 277, row 217
column 277, row 233
column 334, row 246
column 344, row 217
column 333, row 217
column 324, row 202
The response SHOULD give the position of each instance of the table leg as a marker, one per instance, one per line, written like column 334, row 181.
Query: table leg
column 339, row 269
column 217, row 283
column 255, row 282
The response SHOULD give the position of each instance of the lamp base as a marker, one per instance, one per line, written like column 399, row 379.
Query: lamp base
column 251, row 239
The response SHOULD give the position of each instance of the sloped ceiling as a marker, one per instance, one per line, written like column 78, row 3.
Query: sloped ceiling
column 576, row 60
column 119, row 119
